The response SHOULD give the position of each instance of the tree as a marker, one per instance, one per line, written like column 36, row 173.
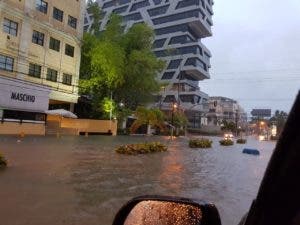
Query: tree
column 119, row 63
column 94, row 9
column 279, row 120
column 179, row 119
column 141, row 69
column 109, row 107
column 149, row 117
column 229, row 126
column 89, row 41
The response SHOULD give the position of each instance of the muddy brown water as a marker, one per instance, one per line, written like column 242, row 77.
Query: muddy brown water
column 82, row 181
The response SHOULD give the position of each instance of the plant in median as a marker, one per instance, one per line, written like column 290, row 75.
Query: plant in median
column 3, row 162
column 200, row 143
column 143, row 148
column 226, row 142
column 241, row 141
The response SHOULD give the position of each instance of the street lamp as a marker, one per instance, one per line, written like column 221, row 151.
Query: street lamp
column 174, row 107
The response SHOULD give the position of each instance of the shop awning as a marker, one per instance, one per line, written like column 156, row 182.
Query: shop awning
column 61, row 112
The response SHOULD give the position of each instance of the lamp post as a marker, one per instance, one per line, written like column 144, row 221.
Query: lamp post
column 122, row 118
column 262, row 127
column 174, row 107
column 236, row 122
column 110, row 112
column 163, row 92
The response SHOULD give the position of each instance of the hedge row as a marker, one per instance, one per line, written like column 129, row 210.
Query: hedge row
column 144, row 148
column 200, row 143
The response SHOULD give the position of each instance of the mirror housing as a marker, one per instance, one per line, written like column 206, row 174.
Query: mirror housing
column 210, row 214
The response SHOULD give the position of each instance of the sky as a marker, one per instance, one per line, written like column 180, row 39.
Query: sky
column 255, row 53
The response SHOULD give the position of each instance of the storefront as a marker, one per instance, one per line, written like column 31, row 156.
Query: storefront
column 23, row 103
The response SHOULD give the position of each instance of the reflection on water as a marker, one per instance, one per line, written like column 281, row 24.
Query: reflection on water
column 79, row 180
column 171, row 176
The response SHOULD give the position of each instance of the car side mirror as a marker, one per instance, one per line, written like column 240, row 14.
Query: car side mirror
column 163, row 210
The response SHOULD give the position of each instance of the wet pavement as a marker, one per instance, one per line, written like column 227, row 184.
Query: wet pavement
column 82, row 181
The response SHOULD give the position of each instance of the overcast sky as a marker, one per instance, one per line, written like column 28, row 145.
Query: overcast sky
column 255, row 52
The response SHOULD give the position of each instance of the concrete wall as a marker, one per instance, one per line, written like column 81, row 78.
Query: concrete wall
column 15, row 128
column 85, row 125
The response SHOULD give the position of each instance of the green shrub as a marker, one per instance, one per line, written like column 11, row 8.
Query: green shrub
column 226, row 142
column 241, row 141
column 200, row 143
column 144, row 148
column 3, row 162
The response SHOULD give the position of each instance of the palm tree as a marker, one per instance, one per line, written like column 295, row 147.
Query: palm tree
column 149, row 117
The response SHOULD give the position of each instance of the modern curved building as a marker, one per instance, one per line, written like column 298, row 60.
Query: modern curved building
column 179, row 26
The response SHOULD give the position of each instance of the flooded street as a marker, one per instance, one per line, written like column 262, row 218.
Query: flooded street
column 82, row 181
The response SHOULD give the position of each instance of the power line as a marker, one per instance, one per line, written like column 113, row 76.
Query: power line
column 248, row 81
column 266, row 76
column 266, row 99
column 257, row 71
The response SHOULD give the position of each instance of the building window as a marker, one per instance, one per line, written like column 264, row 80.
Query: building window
column 69, row 50
column 38, row 38
column 72, row 22
column 10, row 27
column 34, row 70
column 58, row 14
column 67, row 79
column 51, row 75
column 6, row 63
column 54, row 44
column 41, row 6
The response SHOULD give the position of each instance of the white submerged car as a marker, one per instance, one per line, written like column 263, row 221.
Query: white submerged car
column 228, row 136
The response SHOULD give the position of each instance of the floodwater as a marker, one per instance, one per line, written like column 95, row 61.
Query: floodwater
column 82, row 181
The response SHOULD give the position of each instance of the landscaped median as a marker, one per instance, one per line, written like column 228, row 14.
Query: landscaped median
column 3, row 162
column 226, row 142
column 142, row 148
column 200, row 143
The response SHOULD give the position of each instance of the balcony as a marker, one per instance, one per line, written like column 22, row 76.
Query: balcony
column 196, row 72
column 201, row 28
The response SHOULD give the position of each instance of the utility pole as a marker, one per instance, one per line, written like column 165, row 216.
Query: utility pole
column 236, row 122
column 179, row 81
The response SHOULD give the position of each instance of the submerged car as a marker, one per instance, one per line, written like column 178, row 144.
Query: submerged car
column 228, row 136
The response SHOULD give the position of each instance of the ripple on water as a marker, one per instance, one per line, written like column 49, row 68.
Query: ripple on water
column 94, row 181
